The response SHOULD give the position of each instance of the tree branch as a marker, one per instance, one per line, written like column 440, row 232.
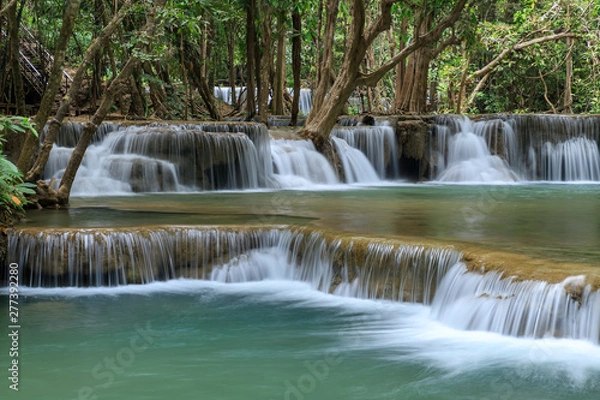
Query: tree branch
column 7, row 7
column 430, row 37
column 519, row 46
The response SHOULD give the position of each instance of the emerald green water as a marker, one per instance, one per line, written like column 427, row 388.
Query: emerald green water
column 558, row 222
column 276, row 340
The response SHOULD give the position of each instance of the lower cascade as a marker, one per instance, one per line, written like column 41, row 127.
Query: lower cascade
column 352, row 267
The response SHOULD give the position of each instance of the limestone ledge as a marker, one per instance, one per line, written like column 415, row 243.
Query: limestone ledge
column 372, row 259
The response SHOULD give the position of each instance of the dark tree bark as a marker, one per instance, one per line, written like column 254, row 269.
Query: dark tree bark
column 279, row 84
column 296, row 62
column 53, row 86
column 96, row 46
column 327, row 56
column 91, row 126
column 196, row 70
column 14, row 140
column 231, row 57
column 250, row 59
column 265, row 62
column 361, row 37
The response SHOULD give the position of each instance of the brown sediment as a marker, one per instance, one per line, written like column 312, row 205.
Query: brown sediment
column 353, row 253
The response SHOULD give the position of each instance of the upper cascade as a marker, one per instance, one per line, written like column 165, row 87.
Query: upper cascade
column 377, row 143
column 555, row 148
column 163, row 157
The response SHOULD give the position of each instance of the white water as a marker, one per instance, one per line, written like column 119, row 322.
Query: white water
column 459, row 299
column 468, row 158
column 186, row 158
column 357, row 168
column 377, row 143
column 533, row 147
column 297, row 164
column 223, row 93
column 576, row 159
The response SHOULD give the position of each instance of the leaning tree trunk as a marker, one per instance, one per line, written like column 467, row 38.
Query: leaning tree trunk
column 53, row 86
column 361, row 37
column 100, row 42
column 90, row 127
column 296, row 63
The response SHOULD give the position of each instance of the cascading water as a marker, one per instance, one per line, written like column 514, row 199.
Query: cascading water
column 357, row 168
column 535, row 309
column 464, row 156
column 377, row 143
column 215, row 156
column 296, row 163
column 305, row 104
column 224, row 93
column 533, row 147
column 355, row 267
column 162, row 158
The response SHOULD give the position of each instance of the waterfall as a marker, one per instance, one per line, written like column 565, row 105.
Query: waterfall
column 377, row 143
column 357, row 168
column 305, row 104
column 464, row 154
column 576, row 159
column 162, row 157
column 298, row 164
column 354, row 267
column 343, row 266
column 535, row 309
column 69, row 133
column 533, row 147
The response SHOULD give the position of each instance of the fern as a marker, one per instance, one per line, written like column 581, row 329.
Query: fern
column 12, row 187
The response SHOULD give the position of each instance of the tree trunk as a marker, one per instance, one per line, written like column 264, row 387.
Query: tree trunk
column 326, row 57
column 250, row 59
column 568, row 100
column 35, row 173
column 296, row 62
column 280, row 86
column 138, row 102
column 401, row 67
column 361, row 37
column 265, row 61
column 90, row 127
column 157, row 93
column 54, row 82
column 231, row 56
column 15, row 140
column 414, row 88
column 196, row 73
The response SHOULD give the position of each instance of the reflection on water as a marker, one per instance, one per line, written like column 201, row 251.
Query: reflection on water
column 561, row 222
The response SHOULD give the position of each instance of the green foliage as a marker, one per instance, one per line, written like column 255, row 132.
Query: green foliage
column 12, row 187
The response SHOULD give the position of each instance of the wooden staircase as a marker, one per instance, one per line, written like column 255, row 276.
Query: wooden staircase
column 35, row 61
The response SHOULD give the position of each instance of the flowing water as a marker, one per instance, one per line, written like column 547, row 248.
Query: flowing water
column 278, row 339
column 262, row 273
